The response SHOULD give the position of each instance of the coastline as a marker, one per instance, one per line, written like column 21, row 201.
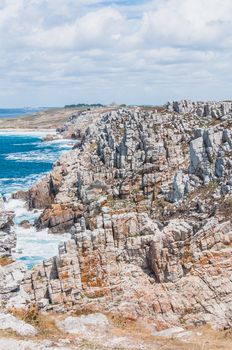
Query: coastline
column 32, row 132
column 47, row 120
column 32, row 246
column 86, row 265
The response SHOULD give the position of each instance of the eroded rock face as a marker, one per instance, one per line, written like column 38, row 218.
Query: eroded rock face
column 6, row 220
column 167, row 275
column 11, row 273
column 7, row 235
column 202, row 109
column 60, row 217
column 147, row 198
column 11, row 293
column 43, row 194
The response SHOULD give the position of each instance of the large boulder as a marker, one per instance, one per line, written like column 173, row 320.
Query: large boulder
column 59, row 217
column 7, row 235
column 43, row 193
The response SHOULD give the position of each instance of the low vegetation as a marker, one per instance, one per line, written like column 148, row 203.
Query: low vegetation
column 4, row 261
column 43, row 322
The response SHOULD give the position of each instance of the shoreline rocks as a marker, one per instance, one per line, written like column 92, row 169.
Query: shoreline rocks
column 146, row 196
column 7, row 235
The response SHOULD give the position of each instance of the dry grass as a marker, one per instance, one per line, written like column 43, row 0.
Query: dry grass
column 202, row 339
column 6, row 261
column 48, row 119
column 44, row 323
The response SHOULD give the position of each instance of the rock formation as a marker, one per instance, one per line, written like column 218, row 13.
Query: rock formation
column 11, row 273
column 146, row 195
column 7, row 235
column 218, row 110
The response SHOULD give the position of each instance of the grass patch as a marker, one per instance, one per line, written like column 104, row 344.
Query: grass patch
column 44, row 323
column 4, row 261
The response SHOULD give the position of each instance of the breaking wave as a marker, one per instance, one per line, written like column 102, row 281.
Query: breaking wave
column 24, row 159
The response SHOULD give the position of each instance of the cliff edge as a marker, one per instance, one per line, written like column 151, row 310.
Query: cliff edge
column 147, row 196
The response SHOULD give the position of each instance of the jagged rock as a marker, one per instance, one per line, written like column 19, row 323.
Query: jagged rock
column 6, row 220
column 202, row 109
column 43, row 194
column 23, row 195
column 180, row 187
column 2, row 207
column 59, row 217
column 7, row 235
column 7, row 243
column 40, row 195
column 200, row 207
column 25, row 224
column 11, row 293
column 147, row 199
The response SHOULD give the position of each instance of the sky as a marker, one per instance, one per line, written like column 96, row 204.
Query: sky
column 57, row 52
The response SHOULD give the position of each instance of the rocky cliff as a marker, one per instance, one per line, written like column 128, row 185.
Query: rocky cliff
column 11, row 273
column 147, row 197
column 7, row 235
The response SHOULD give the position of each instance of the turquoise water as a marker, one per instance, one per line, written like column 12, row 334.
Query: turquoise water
column 24, row 159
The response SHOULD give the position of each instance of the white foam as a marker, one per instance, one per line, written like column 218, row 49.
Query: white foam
column 27, row 132
column 10, row 185
column 33, row 156
column 16, row 205
column 60, row 143
column 42, row 154
column 38, row 245
column 21, row 212
column 26, row 144
column 32, row 246
column 60, row 140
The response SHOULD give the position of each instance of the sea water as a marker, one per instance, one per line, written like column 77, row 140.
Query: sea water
column 24, row 159
column 17, row 112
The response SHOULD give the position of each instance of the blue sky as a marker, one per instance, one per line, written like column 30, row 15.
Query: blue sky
column 56, row 52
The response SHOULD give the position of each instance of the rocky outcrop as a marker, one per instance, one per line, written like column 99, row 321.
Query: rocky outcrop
column 7, row 235
column 43, row 194
column 20, row 194
column 146, row 196
column 60, row 217
column 131, row 267
column 12, row 295
column 218, row 110
column 11, row 273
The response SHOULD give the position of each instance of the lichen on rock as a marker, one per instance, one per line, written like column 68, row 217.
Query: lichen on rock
column 146, row 195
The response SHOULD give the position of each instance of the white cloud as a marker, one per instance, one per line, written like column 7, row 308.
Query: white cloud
column 57, row 52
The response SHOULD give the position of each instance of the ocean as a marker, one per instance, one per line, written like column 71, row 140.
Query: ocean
column 17, row 112
column 24, row 159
